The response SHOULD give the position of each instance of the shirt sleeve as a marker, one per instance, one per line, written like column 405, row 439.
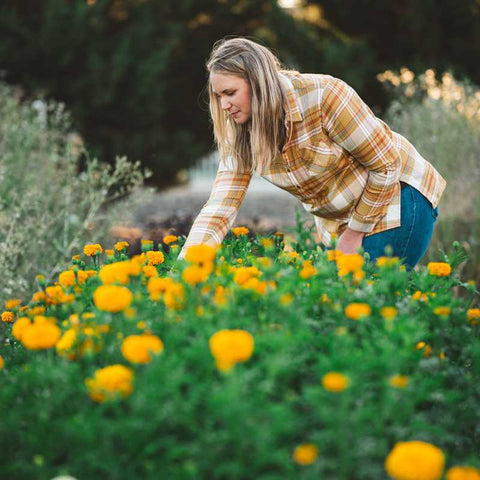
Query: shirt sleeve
column 219, row 213
column 350, row 123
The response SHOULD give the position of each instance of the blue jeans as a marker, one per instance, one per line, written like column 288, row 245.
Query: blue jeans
column 410, row 240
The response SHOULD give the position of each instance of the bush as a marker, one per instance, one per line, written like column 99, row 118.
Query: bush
column 47, row 207
column 148, row 379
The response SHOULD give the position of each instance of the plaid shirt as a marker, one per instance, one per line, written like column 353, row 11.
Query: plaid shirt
column 343, row 163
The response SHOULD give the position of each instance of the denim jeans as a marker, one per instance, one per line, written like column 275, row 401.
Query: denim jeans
column 410, row 240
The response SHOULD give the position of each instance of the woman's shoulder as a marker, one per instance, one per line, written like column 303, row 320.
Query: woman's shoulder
column 307, row 80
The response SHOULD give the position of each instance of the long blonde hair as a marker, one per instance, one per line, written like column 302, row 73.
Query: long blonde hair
column 253, row 144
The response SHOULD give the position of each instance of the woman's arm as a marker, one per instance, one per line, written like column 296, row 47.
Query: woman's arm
column 350, row 123
column 219, row 213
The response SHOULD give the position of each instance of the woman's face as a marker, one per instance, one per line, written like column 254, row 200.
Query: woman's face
column 234, row 95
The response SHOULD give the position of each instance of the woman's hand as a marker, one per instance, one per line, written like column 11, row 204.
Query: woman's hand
column 350, row 241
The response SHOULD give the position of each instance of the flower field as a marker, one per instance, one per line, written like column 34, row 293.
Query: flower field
column 266, row 358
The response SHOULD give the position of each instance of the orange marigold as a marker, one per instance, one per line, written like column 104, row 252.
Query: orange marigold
column 439, row 269
column 463, row 473
column 355, row 311
column 230, row 347
column 335, row 382
column 305, row 454
column 237, row 231
column 92, row 249
column 140, row 348
column 155, row 257
column 110, row 382
column 112, row 298
column 7, row 317
column 168, row 239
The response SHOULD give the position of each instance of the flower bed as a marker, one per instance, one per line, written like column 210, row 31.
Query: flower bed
column 256, row 360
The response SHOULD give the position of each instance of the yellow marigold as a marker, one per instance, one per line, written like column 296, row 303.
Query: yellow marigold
column 119, row 272
column 387, row 261
column 388, row 313
column 66, row 341
column 237, row 231
column 256, row 285
column 36, row 311
column 267, row 242
column 112, row 298
column 473, row 314
column 442, row 311
column 67, row 278
column 195, row 274
column 92, row 249
column 155, row 258
column 220, row 297
column 140, row 348
column 286, row 299
column 439, row 269
column 418, row 295
column 1, row 362
column 230, row 347
column 174, row 297
column 398, row 381
column 76, row 257
column 150, row 271
column 355, row 311
column 168, row 239
column 38, row 297
column 110, row 253
column 121, row 245
column 19, row 327
column 427, row 350
column 242, row 274
column 139, row 259
column 308, row 270
column 201, row 255
column 293, row 257
column 305, row 454
column 40, row 335
column 158, row 286
column 8, row 317
column 12, row 303
column 349, row 263
column 335, row 382
column 110, row 382
column 463, row 473
column 415, row 460
column 333, row 255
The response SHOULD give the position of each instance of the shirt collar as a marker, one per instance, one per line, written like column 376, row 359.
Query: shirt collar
column 293, row 107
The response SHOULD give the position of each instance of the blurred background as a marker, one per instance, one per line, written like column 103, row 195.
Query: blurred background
column 126, row 78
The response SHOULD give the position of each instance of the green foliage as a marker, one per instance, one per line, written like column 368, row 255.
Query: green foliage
column 186, row 419
column 48, row 209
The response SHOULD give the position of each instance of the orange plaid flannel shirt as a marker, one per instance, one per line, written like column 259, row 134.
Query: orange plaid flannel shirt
column 342, row 162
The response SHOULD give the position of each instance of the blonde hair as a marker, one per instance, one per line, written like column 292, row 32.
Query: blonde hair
column 253, row 144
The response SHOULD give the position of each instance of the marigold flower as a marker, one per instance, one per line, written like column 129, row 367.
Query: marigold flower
column 195, row 274
column 38, row 297
column 442, row 311
column 427, row 350
column 333, row 255
column 243, row 274
column 349, row 263
column 387, row 261
column 110, row 253
column 67, row 278
column 150, row 271
column 19, row 327
column 146, row 245
column 121, row 245
column 220, row 297
column 305, row 454
column 92, row 249
column 230, row 347
column 158, row 286
column 388, row 313
column 139, row 348
column 66, row 342
column 110, row 382
column 308, row 270
column 399, row 381
column 1, row 362
column 286, row 299
column 265, row 262
column 112, row 298
column 168, row 239
column 174, row 297
column 418, row 295
column 463, row 473
column 12, row 303
column 293, row 257
column 335, row 382
column 355, row 311
column 473, row 314
column 439, row 269
column 40, row 335
column 118, row 272
column 7, row 317
column 415, row 460
column 267, row 242
column 256, row 285
column 155, row 258
column 201, row 255
column 237, row 231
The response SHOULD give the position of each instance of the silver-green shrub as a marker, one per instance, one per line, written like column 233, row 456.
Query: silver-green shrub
column 48, row 207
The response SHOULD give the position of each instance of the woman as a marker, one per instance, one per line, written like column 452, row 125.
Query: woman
column 313, row 136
